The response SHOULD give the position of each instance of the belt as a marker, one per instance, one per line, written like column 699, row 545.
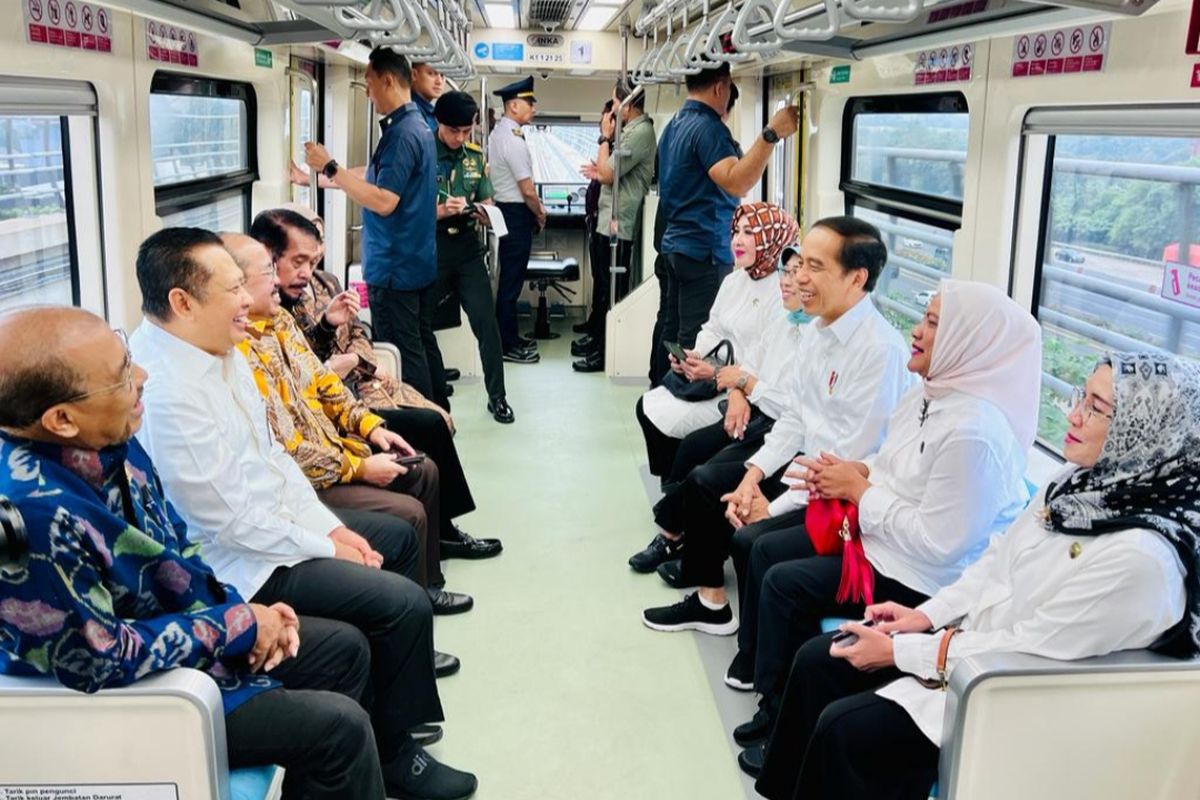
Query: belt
column 455, row 230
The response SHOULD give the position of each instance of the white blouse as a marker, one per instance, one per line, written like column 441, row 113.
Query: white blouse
column 939, row 490
column 777, row 352
column 1026, row 594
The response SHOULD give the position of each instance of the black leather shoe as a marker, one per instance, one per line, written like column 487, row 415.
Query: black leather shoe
column 464, row 545
column 660, row 550
column 751, row 760
column 452, row 374
column 581, row 327
column 592, row 362
column 755, row 731
column 449, row 390
column 426, row 734
column 500, row 410
column 445, row 664
column 672, row 574
column 447, row 603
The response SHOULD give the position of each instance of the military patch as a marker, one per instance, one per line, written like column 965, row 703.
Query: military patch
column 473, row 146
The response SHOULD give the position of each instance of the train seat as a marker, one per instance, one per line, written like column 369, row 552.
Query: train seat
column 548, row 271
column 167, row 729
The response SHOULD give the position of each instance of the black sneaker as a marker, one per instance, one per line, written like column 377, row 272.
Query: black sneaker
column 416, row 775
column 426, row 734
column 452, row 374
column 740, row 674
column 527, row 343
column 689, row 614
column 592, row 362
column 659, row 550
column 756, row 730
column 672, row 574
column 751, row 760
column 582, row 346
column 519, row 356
column 444, row 664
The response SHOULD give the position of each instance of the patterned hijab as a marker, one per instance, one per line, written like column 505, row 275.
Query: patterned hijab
column 772, row 228
column 1148, row 473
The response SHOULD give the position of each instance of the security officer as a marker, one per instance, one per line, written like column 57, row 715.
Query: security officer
column 463, row 182
column 517, row 199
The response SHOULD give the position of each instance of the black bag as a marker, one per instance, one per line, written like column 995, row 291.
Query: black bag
column 696, row 391
column 758, row 428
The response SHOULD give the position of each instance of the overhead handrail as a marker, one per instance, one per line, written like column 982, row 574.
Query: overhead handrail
column 407, row 32
column 883, row 10
column 373, row 18
column 640, row 75
column 695, row 55
column 742, row 39
column 677, row 66
column 714, row 48
column 816, row 28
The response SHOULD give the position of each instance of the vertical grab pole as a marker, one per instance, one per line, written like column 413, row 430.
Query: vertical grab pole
column 313, row 175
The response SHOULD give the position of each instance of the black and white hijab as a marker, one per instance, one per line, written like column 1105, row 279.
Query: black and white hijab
column 1148, row 473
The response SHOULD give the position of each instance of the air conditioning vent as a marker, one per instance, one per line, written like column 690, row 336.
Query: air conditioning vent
column 550, row 13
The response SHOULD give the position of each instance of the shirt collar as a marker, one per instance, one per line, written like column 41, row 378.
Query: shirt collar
column 394, row 117
column 696, row 105
column 185, row 358
column 638, row 120
column 423, row 104
column 845, row 325
column 445, row 152
column 96, row 467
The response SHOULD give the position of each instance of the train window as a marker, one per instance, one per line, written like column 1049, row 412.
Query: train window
column 303, row 116
column 559, row 148
column 201, row 134
column 48, row 195
column 1119, row 251
column 902, row 171
column 783, row 173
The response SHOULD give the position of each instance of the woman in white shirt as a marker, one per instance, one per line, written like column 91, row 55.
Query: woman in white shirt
column 1104, row 559
column 746, row 304
column 948, row 476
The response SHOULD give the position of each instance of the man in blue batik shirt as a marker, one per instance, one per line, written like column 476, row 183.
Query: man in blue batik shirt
column 398, row 194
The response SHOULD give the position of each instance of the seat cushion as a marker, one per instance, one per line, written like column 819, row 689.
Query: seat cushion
column 564, row 269
column 252, row 783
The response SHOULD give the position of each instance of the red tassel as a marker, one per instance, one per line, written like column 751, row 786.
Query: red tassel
column 858, row 577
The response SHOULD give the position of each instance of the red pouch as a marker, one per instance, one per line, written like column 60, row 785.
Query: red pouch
column 832, row 527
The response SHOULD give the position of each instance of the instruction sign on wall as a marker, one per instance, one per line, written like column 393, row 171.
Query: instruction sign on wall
column 171, row 44
column 944, row 65
column 68, row 23
column 90, row 791
column 1181, row 283
column 1082, row 48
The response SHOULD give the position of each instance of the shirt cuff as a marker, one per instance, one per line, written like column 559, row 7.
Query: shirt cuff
column 786, row 502
column 369, row 423
column 873, row 507
column 760, row 389
column 939, row 613
column 768, row 462
column 916, row 653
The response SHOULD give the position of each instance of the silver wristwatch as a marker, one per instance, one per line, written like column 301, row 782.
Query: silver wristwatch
column 740, row 384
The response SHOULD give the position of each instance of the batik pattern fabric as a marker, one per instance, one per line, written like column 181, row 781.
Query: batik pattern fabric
column 310, row 411
column 112, row 590
column 772, row 229
column 1148, row 473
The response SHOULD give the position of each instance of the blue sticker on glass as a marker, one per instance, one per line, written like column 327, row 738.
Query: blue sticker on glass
column 505, row 51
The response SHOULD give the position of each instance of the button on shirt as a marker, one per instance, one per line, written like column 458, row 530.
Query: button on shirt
column 399, row 250
column 1026, row 594
column 508, row 154
column 939, row 490
column 636, row 171
column 698, row 213
column 844, row 388
column 244, row 499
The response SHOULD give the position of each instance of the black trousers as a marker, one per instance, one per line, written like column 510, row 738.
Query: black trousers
column 602, row 280
column 316, row 727
column 691, row 289
column 740, row 549
column 709, row 534
column 514, row 262
column 660, row 448
column 793, row 588
column 835, row 739
column 697, row 448
column 405, row 319
column 390, row 610
column 426, row 431
column 461, row 269
column 658, row 354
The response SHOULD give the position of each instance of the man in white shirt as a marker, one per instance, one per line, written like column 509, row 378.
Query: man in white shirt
column 257, row 518
column 844, row 389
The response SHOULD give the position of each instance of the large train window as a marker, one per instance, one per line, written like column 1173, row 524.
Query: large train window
column 201, row 142
column 559, row 147
column 49, row 209
column 902, row 171
column 783, row 172
column 1118, row 241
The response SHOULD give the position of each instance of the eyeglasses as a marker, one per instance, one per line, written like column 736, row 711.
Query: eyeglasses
column 1080, row 397
column 126, row 381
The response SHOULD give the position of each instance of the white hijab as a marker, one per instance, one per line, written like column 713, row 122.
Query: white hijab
column 988, row 347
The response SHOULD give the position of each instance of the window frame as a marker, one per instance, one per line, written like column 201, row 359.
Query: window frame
column 176, row 197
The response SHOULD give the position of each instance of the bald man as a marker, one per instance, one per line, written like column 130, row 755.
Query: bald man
column 110, row 562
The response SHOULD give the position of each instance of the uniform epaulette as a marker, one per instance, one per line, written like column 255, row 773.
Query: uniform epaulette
column 473, row 146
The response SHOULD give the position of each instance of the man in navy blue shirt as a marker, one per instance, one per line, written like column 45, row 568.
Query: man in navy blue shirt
column 701, row 176
column 427, row 86
column 398, row 194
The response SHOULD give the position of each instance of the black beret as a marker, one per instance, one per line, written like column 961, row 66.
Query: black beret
column 456, row 109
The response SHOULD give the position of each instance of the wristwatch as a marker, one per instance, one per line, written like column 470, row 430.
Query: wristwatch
column 743, row 378
column 330, row 169
column 769, row 135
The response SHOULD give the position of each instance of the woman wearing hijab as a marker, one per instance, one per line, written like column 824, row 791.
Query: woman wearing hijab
column 1104, row 559
column 947, row 477
column 746, row 308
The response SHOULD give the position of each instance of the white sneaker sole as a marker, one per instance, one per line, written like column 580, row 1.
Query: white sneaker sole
column 712, row 628
column 738, row 686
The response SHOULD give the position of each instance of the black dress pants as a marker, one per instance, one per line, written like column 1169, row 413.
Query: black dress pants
column 835, row 739
column 660, row 448
column 425, row 430
column 315, row 727
column 405, row 318
column 602, row 280
column 743, row 545
column 659, row 364
column 794, row 589
column 461, row 269
column 390, row 610
column 514, row 263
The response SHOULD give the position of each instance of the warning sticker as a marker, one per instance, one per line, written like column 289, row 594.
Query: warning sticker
column 1083, row 48
column 90, row 791
column 944, row 65
column 170, row 44
column 67, row 23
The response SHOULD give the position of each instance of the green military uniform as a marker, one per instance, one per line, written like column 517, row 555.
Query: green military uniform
column 461, row 269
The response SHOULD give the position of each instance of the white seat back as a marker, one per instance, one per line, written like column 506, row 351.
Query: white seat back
column 356, row 282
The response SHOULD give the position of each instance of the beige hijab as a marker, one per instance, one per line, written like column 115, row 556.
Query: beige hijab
column 988, row 347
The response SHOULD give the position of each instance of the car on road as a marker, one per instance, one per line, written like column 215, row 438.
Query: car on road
column 1068, row 256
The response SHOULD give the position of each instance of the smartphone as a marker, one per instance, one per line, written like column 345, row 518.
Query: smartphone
column 846, row 638
column 409, row 461
column 674, row 349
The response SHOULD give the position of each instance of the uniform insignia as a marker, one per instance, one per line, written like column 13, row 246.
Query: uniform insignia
column 520, row 134
column 474, row 147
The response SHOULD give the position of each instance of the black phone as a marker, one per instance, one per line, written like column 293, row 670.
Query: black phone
column 674, row 349
column 409, row 461
column 846, row 638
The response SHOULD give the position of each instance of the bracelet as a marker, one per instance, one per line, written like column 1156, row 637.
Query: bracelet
column 943, row 653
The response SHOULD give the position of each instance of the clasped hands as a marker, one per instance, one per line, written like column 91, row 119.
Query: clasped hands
column 277, row 636
column 830, row 477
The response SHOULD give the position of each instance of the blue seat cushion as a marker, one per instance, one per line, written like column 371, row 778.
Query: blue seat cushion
column 251, row 783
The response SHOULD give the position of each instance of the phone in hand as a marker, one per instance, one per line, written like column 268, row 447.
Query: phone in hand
column 674, row 349
column 409, row 461
column 847, row 638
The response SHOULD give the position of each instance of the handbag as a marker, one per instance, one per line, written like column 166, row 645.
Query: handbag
column 832, row 527
column 697, row 391
column 758, row 427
